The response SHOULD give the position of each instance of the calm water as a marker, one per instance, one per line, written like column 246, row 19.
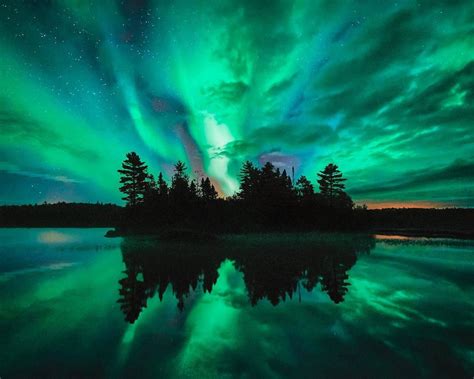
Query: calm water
column 75, row 304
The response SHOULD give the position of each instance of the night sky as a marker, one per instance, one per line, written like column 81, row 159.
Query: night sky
column 383, row 89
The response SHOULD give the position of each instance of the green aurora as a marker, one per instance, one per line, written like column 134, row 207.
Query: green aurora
column 386, row 91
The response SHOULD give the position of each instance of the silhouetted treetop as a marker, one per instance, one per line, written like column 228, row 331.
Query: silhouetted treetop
column 208, row 192
column 179, row 190
column 162, row 186
column 267, row 197
column 133, row 179
column 304, row 188
column 331, row 186
column 249, row 175
column 180, row 171
column 331, row 182
column 193, row 190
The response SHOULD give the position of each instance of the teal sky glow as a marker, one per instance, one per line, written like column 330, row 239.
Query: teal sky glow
column 384, row 90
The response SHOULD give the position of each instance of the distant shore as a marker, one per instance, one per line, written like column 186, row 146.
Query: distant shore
column 200, row 236
column 426, row 233
column 409, row 222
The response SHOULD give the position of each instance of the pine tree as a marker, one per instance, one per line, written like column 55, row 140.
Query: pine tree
column 193, row 190
column 179, row 174
column 134, row 179
column 179, row 183
column 304, row 188
column 334, row 279
column 286, row 179
column 133, row 297
column 151, row 191
column 207, row 189
column 268, row 189
column 284, row 189
column 162, row 186
column 331, row 182
column 249, row 181
column 151, row 182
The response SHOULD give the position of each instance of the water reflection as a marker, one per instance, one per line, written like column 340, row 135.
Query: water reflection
column 409, row 307
column 273, row 268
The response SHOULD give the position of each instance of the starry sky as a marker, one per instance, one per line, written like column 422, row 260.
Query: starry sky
column 383, row 89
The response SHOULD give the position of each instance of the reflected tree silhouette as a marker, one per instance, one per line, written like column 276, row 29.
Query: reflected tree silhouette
column 334, row 276
column 271, row 269
column 133, row 294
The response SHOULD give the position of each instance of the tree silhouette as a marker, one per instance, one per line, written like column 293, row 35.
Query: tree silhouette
column 193, row 190
column 267, row 199
column 150, row 194
column 306, row 201
column 162, row 186
column 331, row 183
column 179, row 182
column 304, row 188
column 208, row 192
column 249, row 177
column 334, row 278
column 134, row 179
column 272, row 270
column 133, row 296
column 344, row 201
column 151, row 182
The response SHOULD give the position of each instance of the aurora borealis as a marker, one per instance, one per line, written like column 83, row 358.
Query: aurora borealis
column 384, row 90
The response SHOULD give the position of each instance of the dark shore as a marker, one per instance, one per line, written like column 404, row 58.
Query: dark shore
column 201, row 236
column 409, row 222
column 171, row 235
column 426, row 233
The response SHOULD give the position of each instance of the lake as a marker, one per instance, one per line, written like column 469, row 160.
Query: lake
column 76, row 304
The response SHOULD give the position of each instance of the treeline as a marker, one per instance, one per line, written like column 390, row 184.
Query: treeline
column 60, row 215
column 449, row 222
column 267, row 199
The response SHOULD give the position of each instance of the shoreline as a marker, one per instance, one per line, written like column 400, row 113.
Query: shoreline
column 193, row 235
column 196, row 235
column 453, row 234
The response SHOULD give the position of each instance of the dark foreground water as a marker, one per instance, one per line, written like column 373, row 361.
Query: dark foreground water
column 75, row 304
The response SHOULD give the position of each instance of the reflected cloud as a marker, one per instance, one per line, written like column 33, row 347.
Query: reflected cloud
column 5, row 276
column 53, row 236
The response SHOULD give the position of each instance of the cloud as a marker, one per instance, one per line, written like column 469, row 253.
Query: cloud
column 459, row 171
column 254, row 33
column 56, row 178
column 441, row 95
column 281, row 86
column 226, row 92
column 22, row 128
column 259, row 140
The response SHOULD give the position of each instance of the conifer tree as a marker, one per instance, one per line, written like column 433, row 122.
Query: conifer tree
column 331, row 183
column 162, row 186
column 249, row 181
column 134, row 179
column 193, row 190
column 304, row 188
column 286, row 179
column 207, row 189
column 149, row 197
column 179, row 183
